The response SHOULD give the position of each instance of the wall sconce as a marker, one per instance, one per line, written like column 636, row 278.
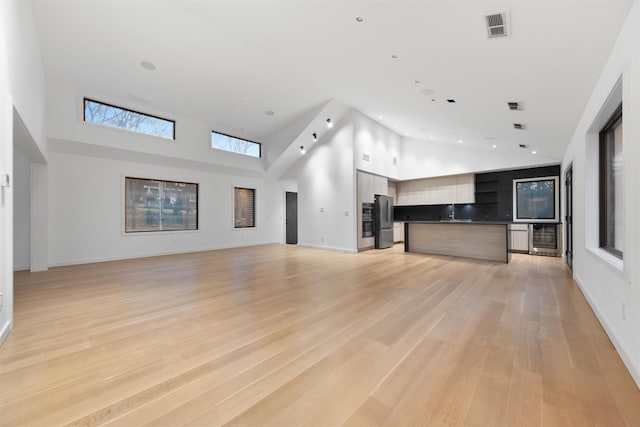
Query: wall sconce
column 315, row 137
column 329, row 124
column 302, row 150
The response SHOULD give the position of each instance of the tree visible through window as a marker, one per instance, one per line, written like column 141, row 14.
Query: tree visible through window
column 112, row 116
column 244, row 203
column 224, row 142
column 611, row 186
column 154, row 205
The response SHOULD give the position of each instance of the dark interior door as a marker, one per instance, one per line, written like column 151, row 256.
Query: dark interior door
column 291, row 217
column 568, row 218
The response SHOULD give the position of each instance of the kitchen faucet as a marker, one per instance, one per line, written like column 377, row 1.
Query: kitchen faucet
column 452, row 214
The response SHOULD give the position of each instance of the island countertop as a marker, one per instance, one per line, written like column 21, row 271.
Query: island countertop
column 458, row 221
column 487, row 240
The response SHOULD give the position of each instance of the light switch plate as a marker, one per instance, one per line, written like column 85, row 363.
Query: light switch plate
column 5, row 180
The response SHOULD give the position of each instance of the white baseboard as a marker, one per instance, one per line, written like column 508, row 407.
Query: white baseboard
column 4, row 333
column 158, row 253
column 20, row 267
column 328, row 248
column 620, row 348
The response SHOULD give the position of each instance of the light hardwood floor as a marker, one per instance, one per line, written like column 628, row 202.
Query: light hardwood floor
column 280, row 335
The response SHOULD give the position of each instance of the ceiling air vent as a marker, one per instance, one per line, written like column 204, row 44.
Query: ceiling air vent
column 497, row 24
column 523, row 145
column 519, row 126
column 514, row 106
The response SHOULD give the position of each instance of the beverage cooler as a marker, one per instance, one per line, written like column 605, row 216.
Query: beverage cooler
column 545, row 239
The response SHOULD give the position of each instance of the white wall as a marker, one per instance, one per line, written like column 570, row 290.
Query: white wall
column 377, row 143
column 21, row 210
column 22, row 88
column 86, row 211
column 326, row 192
column 193, row 139
column 26, row 72
column 425, row 159
column 613, row 290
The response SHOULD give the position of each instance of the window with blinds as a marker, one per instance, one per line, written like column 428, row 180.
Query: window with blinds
column 244, row 204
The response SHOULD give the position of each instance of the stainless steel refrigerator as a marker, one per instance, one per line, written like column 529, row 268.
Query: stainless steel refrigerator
column 383, row 221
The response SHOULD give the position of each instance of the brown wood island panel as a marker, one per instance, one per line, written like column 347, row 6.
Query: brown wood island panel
column 468, row 240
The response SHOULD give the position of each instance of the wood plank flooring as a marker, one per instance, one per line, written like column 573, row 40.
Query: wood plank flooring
column 280, row 335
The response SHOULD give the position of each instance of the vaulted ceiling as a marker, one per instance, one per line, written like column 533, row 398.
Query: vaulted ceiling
column 228, row 63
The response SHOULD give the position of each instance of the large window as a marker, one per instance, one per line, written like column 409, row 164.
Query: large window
column 154, row 205
column 118, row 117
column 611, row 186
column 536, row 200
column 244, row 206
column 220, row 141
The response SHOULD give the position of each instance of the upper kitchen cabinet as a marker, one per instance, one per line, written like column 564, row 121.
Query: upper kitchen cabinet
column 437, row 191
column 380, row 185
column 369, row 185
column 465, row 188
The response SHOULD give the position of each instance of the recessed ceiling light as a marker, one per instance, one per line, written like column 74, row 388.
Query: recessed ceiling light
column 459, row 141
column 359, row 19
column 379, row 117
column 315, row 137
column 394, row 56
column 302, row 150
column 534, row 152
column 148, row 65
column 329, row 124
column 495, row 146
column 269, row 113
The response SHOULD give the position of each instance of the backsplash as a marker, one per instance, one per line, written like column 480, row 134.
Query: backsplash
column 495, row 205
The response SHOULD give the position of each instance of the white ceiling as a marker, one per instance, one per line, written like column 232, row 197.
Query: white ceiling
column 227, row 62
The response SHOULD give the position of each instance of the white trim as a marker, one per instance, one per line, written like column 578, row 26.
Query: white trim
column 21, row 268
column 5, row 331
column 616, row 264
column 329, row 248
column 624, row 355
column 159, row 253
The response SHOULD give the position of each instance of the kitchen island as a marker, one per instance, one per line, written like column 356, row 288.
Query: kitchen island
column 477, row 239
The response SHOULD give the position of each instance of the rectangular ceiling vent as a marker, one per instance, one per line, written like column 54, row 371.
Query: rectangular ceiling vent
column 497, row 24
column 523, row 145
column 519, row 126
column 514, row 106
